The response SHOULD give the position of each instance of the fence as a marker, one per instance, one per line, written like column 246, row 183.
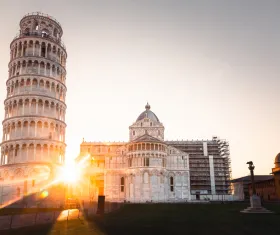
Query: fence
column 24, row 220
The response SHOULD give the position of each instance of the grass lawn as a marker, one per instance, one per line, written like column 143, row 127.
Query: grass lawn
column 193, row 219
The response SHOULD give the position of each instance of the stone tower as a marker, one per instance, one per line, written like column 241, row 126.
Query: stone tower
column 33, row 141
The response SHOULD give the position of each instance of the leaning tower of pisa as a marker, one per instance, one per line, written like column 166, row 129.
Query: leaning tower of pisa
column 33, row 141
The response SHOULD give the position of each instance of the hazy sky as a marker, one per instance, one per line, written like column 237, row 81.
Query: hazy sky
column 206, row 67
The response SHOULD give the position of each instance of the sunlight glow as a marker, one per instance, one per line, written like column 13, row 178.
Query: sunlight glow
column 70, row 173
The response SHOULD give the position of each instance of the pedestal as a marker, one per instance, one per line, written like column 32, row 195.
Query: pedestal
column 256, row 206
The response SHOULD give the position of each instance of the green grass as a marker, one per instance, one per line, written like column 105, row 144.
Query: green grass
column 192, row 219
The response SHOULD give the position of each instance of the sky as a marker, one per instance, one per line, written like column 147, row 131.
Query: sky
column 207, row 68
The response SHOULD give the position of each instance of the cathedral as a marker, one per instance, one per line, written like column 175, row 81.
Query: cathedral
column 150, row 169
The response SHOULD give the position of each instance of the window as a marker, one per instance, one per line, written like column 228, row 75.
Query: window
column 151, row 124
column 146, row 161
column 133, row 132
column 18, row 192
column 122, row 184
column 171, row 184
column 33, row 183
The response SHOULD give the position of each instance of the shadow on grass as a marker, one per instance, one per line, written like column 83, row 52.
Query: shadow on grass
column 189, row 219
column 194, row 219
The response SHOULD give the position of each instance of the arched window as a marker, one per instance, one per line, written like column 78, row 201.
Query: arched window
column 36, row 26
column 171, row 182
column 122, row 184
column 146, row 161
column 6, row 158
column 146, row 178
column 133, row 132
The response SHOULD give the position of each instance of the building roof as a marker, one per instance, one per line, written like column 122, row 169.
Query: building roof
column 264, row 180
column 148, row 114
column 147, row 138
column 247, row 179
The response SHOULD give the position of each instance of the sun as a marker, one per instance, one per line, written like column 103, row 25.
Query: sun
column 70, row 173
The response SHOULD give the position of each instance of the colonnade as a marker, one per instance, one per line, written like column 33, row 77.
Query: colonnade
column 40, row 48
column 147, row 146
column 42, row 86
column 32, row 152
column 36, row 129
column 21, row 106
column 40, row 67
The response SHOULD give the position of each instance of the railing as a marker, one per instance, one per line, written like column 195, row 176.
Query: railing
column 23, row 220
column 41, row 35
column 37, row 13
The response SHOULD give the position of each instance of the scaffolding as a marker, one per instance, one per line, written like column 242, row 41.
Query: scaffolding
column 200, row 176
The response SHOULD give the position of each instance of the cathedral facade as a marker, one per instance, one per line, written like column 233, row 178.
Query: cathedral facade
column 150, row 169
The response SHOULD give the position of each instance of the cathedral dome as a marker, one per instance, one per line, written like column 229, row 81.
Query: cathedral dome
column 277, row 160
column 148, row 114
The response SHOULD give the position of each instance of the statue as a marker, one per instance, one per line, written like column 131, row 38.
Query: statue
column 251, row 168
column 255, row 201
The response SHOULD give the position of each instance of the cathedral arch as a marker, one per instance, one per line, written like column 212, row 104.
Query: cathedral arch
column 146, row 177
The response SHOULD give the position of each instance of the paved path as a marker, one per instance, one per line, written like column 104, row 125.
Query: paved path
column 75, row 227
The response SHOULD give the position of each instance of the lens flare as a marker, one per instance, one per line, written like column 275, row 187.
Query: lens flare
column 44, row 194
